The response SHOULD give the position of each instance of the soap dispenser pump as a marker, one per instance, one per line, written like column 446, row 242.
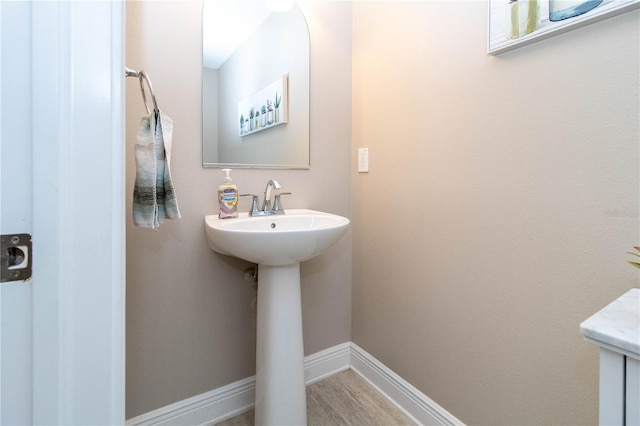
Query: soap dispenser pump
column 228, row 197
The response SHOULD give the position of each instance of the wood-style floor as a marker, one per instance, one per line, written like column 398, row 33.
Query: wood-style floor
column 341, row 399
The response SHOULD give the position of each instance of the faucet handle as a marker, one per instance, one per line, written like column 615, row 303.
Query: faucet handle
column 254, row 204
column 277, row 205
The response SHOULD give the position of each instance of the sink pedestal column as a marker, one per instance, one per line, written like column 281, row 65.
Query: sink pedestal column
column 280, row 384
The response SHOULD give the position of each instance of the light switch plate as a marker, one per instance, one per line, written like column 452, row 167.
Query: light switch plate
column 363, row 160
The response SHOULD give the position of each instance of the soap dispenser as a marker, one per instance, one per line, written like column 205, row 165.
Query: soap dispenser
column 228, row 197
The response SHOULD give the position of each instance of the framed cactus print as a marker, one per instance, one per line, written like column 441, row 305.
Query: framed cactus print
column 264, row 109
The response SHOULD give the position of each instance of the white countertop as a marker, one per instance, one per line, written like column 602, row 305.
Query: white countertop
column 617, row 325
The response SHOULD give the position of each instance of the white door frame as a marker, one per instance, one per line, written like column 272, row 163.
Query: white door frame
column 78, row 215
column 16, row 325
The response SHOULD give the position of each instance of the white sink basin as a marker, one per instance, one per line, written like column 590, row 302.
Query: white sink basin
column 294, row 237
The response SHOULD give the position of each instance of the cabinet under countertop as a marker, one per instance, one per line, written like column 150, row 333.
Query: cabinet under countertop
column 616, row 329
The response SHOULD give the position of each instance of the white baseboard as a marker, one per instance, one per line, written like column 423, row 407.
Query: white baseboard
column 419, row 407
column 207, row 408
column 235, row 398
column 327, row 362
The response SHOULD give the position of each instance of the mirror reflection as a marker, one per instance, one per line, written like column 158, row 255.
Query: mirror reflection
column 255, row 102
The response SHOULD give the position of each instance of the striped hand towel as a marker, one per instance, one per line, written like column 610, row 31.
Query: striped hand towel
column 153, row 196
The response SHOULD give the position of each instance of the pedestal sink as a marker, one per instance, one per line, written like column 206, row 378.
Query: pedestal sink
column 278, row 244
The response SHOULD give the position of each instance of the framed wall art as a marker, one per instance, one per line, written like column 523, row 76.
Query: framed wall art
column 267, row 108
column 516, row 23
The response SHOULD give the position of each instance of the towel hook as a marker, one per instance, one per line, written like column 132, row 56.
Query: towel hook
column 142, row 76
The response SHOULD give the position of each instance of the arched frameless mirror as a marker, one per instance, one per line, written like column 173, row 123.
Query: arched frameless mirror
column 255, row 101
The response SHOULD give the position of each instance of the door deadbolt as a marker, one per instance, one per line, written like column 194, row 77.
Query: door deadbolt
column 15, row 257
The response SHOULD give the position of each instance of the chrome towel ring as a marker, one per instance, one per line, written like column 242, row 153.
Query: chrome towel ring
column 142, row 76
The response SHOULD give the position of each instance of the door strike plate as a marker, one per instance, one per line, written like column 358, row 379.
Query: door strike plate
column 15, row 257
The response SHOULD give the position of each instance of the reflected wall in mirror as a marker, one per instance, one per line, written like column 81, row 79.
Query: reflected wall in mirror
column 238, row 70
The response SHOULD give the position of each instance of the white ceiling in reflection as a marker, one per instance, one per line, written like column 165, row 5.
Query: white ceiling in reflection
column 226, row 24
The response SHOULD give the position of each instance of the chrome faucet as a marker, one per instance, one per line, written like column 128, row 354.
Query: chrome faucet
column 266, row 203
column 267, row 209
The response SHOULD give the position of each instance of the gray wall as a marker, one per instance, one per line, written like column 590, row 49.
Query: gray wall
column 189, row 325
column 210, row 111
column 501, row 199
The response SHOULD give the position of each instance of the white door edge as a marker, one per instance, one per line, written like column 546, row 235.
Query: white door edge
column 78, row 135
